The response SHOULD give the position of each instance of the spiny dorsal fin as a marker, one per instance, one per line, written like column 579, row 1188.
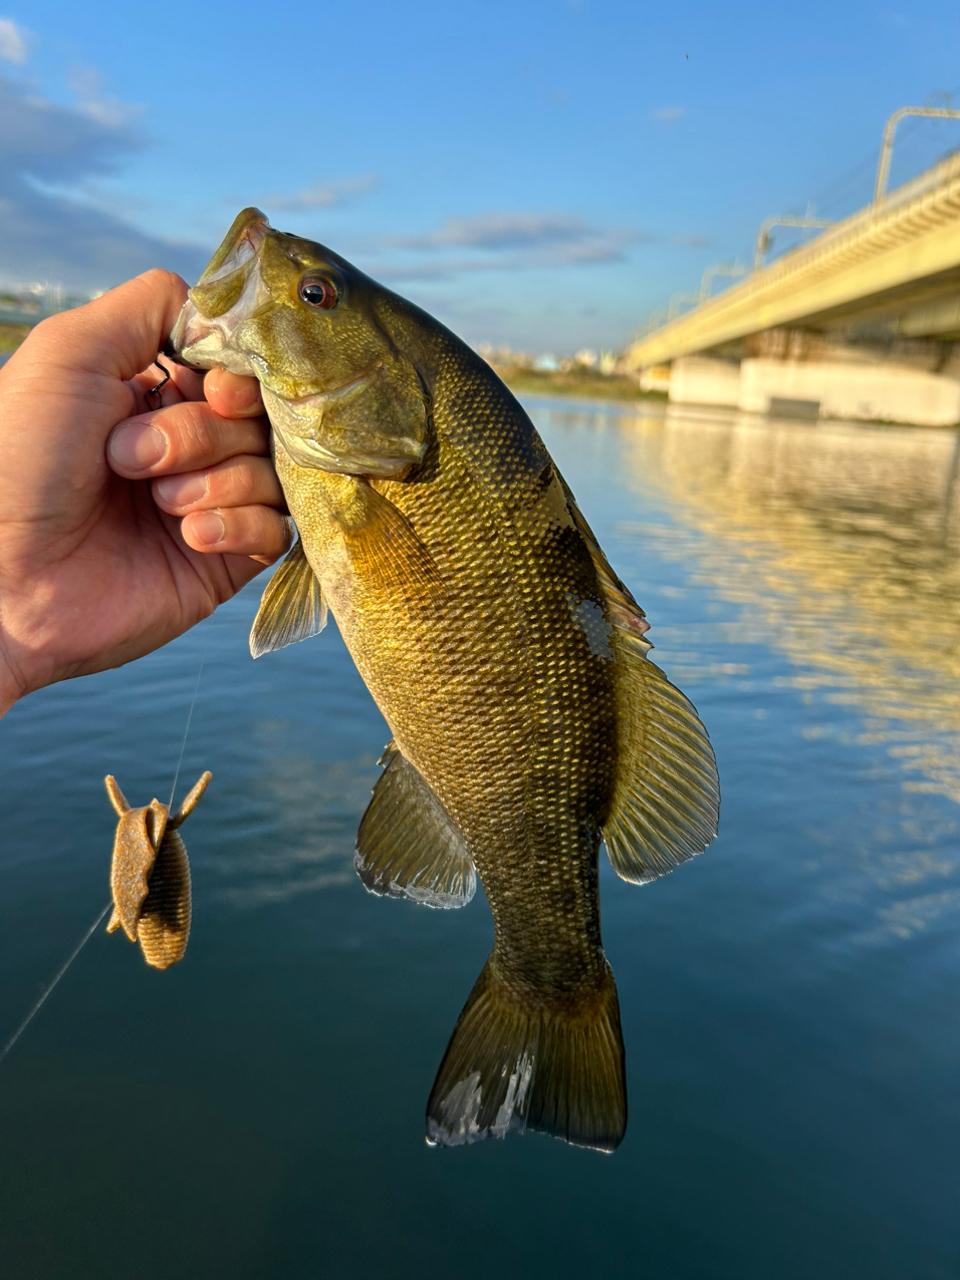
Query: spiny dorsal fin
column 292, row 607
column 624, row 610
column 408, row 846
column 667, row 796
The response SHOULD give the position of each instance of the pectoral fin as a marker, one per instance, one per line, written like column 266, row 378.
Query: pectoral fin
column 408, row 846
column 387, row 550
column 292, row 607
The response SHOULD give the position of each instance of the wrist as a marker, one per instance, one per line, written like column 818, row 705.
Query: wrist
column 11, row 689
column 15, row 682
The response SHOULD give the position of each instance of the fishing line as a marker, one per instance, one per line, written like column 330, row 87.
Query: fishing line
column 63, row 969
column 93, row 928
column 183, row 744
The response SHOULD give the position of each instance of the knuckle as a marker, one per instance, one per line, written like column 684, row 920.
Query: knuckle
column 245, row 484
column 159, row 278
column 194, row 435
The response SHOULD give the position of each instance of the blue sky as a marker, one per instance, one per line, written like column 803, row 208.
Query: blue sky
column 542, row 173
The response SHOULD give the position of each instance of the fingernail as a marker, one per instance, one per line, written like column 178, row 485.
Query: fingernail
column 207, row 527
column 137, row 447
column 181, row 491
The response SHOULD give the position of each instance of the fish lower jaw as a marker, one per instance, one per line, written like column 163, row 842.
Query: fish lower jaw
column 206, row 347
column 211, row 351
column 203, row 343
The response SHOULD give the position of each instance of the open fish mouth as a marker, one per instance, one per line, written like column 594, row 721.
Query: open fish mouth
column 202, row 340
column 230, row 291
column 241, row 243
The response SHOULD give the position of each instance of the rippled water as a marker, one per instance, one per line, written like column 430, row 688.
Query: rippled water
column 790, row 1000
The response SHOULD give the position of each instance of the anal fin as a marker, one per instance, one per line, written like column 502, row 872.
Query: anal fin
column 408, row 846
column 292, row 607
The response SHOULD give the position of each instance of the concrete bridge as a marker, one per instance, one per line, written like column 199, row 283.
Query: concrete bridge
column 861, row 322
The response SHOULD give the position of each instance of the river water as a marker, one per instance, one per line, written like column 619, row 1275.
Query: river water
column 790, row 1000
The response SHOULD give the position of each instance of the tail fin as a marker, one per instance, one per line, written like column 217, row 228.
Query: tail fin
column 512, row 1065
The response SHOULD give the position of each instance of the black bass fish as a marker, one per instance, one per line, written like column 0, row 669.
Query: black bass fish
column 505, row 654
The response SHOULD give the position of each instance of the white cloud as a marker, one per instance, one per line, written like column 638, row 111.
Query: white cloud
column 48, row 230
column 511, row 242
column 325, row 195
column 87, row 84
column 503, row 231
column 13, row 42
column 668, row 115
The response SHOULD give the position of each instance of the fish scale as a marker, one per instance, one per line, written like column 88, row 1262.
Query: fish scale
column 506, row 656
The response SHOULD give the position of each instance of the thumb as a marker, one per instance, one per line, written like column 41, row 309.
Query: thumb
column 117, row 334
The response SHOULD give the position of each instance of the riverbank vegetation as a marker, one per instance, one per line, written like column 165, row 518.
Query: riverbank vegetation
column 11, row 335
column 577, row 380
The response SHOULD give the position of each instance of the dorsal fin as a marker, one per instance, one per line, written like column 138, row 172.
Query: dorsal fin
column 408, row 846
column 667, row 795
column 623, row 609
column 292, row 607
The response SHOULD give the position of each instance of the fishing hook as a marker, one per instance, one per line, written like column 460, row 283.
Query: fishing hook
column 157, row 389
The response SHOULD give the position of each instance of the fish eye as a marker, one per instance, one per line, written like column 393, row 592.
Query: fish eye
column 318, row 291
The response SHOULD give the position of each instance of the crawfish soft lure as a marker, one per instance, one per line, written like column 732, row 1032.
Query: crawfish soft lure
column 150, row 875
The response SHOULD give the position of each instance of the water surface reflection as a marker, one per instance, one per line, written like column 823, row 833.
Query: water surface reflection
column 841, row 543
column 789, row 999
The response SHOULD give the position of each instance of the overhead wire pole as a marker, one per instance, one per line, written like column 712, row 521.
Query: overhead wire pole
column 719, row 269
column 767, row 225
column 886, row 148
column 677, row 301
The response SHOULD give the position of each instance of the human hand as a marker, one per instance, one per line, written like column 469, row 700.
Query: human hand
column 122, row 524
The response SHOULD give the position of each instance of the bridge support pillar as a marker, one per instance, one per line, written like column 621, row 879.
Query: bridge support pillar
column 705, row 380
column 864, row 390
column 842, row 389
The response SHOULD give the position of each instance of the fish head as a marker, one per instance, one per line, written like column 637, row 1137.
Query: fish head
column 340, row 393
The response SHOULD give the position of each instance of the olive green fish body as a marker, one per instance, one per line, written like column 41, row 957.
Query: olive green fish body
column 506, row 656
column 493, row 669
